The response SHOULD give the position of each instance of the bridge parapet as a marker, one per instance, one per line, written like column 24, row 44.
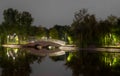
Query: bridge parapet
column 57, row 41
column 60, row 42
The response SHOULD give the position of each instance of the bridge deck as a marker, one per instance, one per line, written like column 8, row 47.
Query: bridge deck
column 42, row 43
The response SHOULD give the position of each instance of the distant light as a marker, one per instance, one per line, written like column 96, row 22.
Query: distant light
column 50, row 47
column 13, row 58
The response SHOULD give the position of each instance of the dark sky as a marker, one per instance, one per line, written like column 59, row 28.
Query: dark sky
column 51, row 12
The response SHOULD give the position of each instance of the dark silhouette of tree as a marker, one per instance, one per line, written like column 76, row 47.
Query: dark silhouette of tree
column 84, row 28
column 17, row 22
column 88, row 31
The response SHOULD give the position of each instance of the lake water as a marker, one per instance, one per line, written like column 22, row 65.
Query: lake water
column 27, row 62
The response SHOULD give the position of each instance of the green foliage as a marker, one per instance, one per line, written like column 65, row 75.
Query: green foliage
column 61, row 32
column 84, row 28
column 53, row 33
column 21, row 24
column 38, row 31
column 87, row 30
column 16, row 22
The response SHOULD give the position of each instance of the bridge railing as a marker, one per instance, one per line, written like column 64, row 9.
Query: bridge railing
column 55, row 41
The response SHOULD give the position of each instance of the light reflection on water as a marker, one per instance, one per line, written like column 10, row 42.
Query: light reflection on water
column 24, row 62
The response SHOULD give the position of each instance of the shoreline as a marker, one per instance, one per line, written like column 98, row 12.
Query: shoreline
column 92, row 49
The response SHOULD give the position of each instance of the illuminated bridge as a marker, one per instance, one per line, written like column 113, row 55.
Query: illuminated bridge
column 50, row 44
column 45, row 42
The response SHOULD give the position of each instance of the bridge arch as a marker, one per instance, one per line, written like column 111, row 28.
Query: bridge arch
column 43, row 43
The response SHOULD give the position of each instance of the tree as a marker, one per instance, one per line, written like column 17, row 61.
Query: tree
column 84, row 28
column 14, row 21
column 38, row 31
column 61, row 32
column 53, row 33
column 10, row 16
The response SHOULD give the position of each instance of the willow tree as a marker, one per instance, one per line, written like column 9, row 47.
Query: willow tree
column 84, row 27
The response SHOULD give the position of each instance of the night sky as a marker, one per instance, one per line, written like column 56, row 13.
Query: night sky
column 50, row 12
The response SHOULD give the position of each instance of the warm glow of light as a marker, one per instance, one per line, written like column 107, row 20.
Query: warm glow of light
column 70, row 40
column 15, row 50
column 111, row 39
column 16, row 38
column 69, row 57
column 12, row 52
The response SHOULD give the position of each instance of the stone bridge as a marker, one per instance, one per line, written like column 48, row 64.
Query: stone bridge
column 46, row 43
column 50, row 44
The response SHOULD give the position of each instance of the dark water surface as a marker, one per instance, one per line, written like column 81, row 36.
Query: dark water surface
column 49, row 67
column 24, row 62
